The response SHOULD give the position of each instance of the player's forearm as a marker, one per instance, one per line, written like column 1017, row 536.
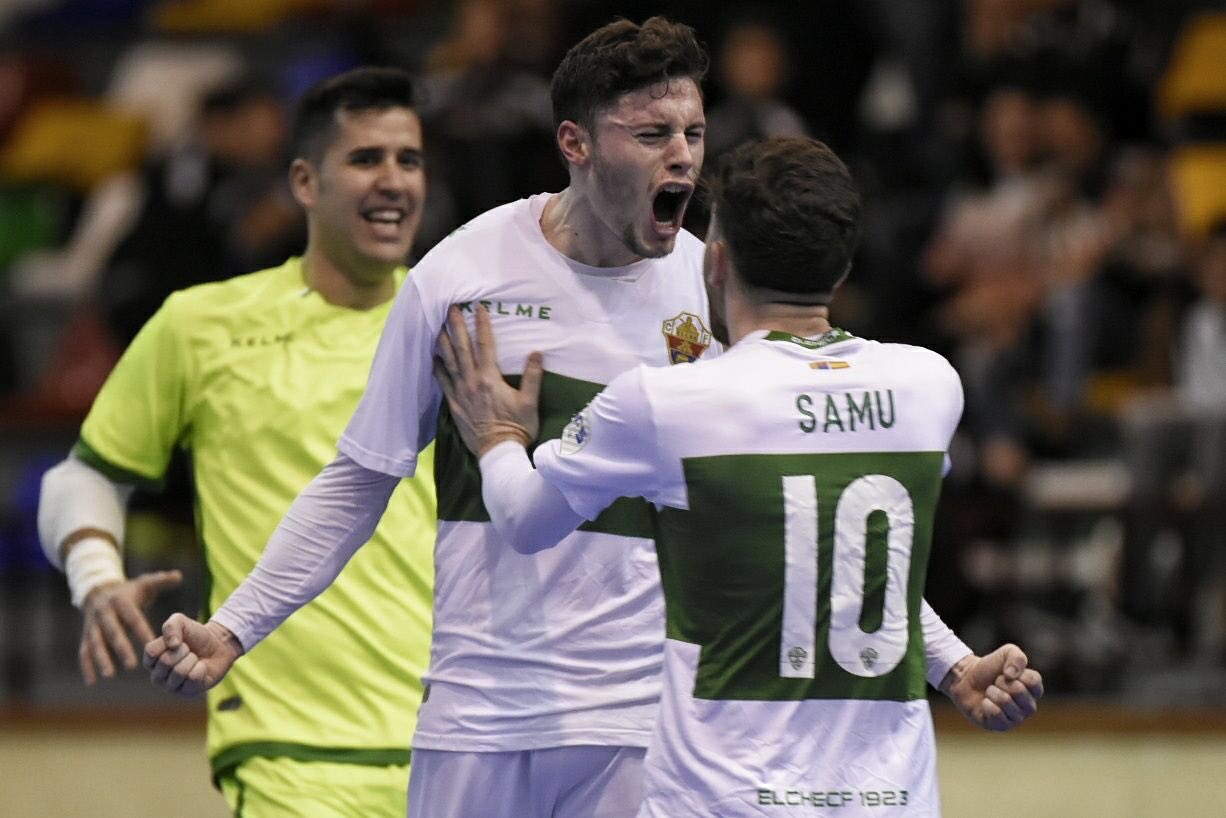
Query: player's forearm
column 527, row 512
column 328, row 522
column 942, row 647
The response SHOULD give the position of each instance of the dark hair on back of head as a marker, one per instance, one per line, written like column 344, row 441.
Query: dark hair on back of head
column 621, row 57
column 790, row 213
column 362, row 89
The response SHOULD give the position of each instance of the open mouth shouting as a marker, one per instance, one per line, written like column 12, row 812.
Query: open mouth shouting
column 668, row 207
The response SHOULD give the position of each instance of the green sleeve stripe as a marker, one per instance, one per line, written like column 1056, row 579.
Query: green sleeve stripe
column 227, row 760
column 90, row 455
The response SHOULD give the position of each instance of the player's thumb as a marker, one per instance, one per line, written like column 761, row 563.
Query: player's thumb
column 174, row 629
column 534, row 370
column 1012, row 661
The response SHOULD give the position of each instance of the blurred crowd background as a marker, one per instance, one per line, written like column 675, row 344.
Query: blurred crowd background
column 1045, row 189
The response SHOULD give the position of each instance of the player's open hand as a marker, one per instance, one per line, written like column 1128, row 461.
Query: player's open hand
column 996, row 692
column 113, row 616
column 487, row 410
column 190, row 657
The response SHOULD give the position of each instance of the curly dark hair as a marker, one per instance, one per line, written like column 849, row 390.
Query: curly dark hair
column 621, row 57
column 790, row 212
column 362, row 89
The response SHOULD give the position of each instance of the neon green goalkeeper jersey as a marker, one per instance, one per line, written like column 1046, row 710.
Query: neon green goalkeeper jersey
column 256, row 378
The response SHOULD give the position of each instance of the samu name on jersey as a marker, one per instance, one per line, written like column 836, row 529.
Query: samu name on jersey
column 797, row 480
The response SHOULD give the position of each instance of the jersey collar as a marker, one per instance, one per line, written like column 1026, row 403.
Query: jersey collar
column 831, row 336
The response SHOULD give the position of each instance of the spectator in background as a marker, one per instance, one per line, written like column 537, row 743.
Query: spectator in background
column 983, row 258
column 1074, row 136
column 211, row 209
column 1144, row 277
column 1201, row 365
column 488, row 111
column 754, row 64
column 1175, row 445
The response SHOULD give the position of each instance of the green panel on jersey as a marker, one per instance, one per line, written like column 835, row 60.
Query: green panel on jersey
column 723, row 566
column 458, row 477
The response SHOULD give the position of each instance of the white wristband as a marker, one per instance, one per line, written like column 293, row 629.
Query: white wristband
column 91, row 562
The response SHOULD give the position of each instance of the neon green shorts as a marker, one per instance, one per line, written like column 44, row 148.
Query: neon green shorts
column 285, row 788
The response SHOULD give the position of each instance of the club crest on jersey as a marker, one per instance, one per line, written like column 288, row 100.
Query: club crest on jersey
column 686, row 338
column 576, row 434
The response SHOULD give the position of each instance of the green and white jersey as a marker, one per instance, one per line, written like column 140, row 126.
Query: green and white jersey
column 562, row 647
column 797, row 480
column 255, row 377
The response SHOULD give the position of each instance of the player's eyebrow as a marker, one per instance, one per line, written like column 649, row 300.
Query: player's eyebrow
column 664, row 125
column 366, row 152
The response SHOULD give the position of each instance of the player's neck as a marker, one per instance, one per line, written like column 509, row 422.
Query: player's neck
column 357, row 290
column 802, row 320
column 570, row 224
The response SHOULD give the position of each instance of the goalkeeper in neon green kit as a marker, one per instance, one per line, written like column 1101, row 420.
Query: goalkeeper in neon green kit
column 256, row 378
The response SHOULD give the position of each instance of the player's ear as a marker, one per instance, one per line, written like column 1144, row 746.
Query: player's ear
column 304, row 182
column 720, row 260
column 575, row 143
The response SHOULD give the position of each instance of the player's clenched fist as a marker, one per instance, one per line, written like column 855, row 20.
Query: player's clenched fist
column 998, row 691
column 190, row 657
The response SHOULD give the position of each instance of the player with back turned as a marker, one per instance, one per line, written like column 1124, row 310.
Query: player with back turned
column 797, row 477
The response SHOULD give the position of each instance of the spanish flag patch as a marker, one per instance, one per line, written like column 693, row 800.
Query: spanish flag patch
column 829, row 365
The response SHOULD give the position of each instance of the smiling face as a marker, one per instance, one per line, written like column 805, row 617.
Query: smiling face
column 364, row 197
column 647, row 151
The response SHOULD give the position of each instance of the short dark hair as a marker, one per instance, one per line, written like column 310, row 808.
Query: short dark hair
column 361, row 89
column 790, row 213
column 621, row 57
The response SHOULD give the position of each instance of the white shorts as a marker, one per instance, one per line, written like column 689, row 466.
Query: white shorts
column 569, row 782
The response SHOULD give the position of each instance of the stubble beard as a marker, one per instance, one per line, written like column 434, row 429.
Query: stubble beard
column 629, row 234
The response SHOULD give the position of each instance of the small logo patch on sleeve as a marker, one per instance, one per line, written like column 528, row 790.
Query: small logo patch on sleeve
column 576, row 433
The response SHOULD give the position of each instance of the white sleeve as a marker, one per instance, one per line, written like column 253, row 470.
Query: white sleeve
column 942, row 647
column 75, row 496
column 957, row 404
column 329, row 521
column 397, row 414
column 527, row 512
column 608, row 450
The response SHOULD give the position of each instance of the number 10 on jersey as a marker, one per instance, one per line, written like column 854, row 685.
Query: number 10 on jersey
column 867, row 637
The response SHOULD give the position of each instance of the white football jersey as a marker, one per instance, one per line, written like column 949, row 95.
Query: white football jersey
column 797, row 481
column 562, row 647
